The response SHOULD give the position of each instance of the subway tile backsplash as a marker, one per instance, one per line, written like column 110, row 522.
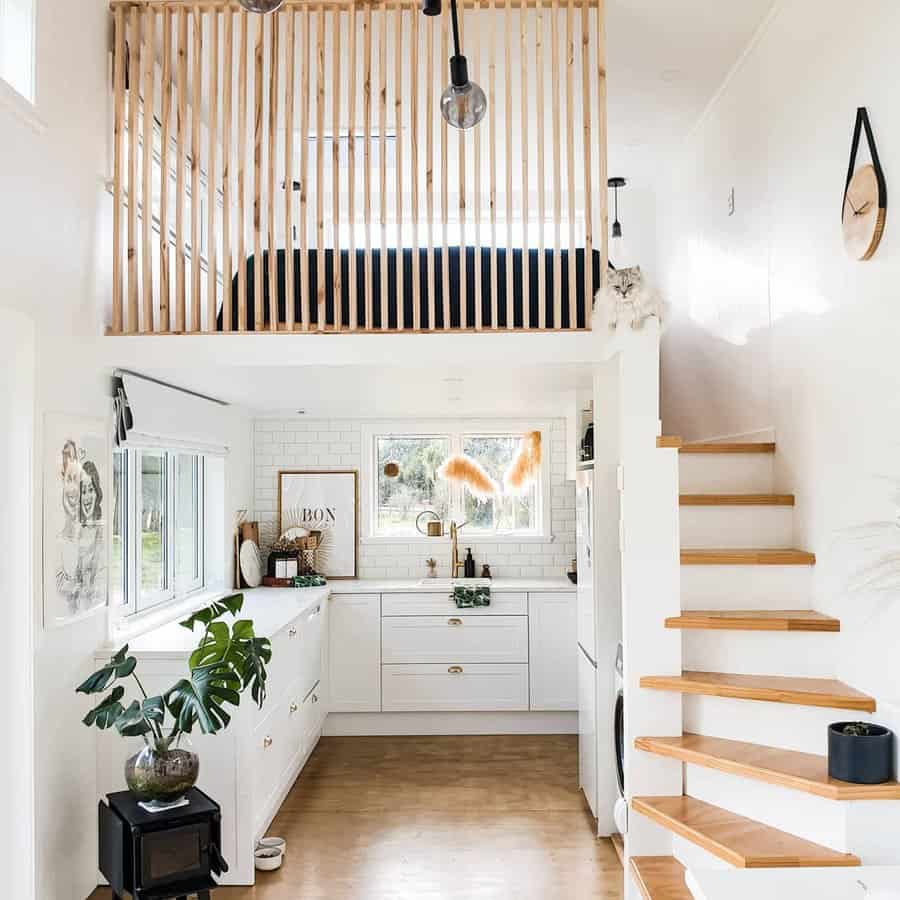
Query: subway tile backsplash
column 290, row 443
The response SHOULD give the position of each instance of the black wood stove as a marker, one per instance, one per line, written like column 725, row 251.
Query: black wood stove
column 164, row 855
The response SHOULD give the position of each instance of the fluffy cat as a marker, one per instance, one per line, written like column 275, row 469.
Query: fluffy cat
column 626, row 297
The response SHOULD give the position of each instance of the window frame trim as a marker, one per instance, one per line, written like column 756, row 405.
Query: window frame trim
column 456, row 430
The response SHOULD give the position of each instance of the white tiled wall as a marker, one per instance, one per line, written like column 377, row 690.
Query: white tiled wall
column 295, row 443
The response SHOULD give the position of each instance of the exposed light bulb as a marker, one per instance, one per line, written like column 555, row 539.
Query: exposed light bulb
column 464, row 106
column 261, row 6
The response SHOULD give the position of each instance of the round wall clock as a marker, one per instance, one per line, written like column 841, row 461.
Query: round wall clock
column 865, row 198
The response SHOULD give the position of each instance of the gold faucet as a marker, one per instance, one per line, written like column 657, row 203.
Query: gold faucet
column 455, row 563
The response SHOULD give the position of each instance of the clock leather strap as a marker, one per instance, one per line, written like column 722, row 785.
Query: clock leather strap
column 862, row 122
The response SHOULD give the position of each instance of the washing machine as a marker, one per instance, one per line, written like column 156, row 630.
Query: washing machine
column 620, row 811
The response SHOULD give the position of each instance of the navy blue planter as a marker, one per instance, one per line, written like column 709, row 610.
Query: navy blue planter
column 861, row 759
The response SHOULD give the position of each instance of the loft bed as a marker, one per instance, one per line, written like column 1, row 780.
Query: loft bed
column 400, row 314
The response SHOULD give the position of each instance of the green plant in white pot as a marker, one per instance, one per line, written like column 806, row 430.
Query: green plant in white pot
column 227, row 662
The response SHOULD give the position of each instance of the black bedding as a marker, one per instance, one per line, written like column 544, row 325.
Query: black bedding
column 400, row 305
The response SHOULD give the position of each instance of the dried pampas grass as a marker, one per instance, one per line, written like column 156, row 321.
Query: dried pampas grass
column 524, row 468
column 464, row 469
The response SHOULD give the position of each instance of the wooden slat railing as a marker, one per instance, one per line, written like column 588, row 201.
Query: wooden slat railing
column 239, row 139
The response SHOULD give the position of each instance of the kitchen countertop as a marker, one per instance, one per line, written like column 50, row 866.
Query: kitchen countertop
column 273, row 608
column 416, row 585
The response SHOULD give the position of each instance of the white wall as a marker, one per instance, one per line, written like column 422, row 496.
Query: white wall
column 337, row 443
column 775, row 326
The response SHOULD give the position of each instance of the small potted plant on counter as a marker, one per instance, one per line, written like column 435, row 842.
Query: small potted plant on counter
column 227, row 662
column 860, row 752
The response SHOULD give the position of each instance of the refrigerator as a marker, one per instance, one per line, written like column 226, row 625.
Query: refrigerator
column 587, row 639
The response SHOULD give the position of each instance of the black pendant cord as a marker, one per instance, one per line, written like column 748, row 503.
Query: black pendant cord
column 454, row 20
column 616, row 200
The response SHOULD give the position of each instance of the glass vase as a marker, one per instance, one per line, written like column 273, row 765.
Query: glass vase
column 162, row 772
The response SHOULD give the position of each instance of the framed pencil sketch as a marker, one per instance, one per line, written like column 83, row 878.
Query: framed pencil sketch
column 75, row 500
column 327, row 502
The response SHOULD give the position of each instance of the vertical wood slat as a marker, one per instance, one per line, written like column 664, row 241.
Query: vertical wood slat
column 429, row 175
column 227, row 131
column 196, row 206
column 556, row 164
column 241, row 174
column 351, row 174
column 539, row 86
column 148, row 60
column 398, row 160
column 212, row 183
column 492, row 197
column 180, row 163
column 602, row 191
column 337, row 291
column 476, row 181
column 134, row 69
column 118, row 153
column 305, row 25
column 510, row 306
column 258, row 298
column 526, row 260
column 289, row 75
column 165, row 116
column 367, row 162
column 445, row 253
column 588, row 193
column 320, row 168
column 382, row 160
column 414, row 165
column 570, row 160
column 271, row 159
column 463, row 280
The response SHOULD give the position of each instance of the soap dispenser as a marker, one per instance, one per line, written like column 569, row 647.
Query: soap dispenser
column 469, row 568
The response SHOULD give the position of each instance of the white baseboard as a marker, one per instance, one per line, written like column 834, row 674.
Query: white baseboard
column 355, row 724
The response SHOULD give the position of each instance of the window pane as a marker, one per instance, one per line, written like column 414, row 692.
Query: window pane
column 187, row 519
column 417, row 488
column 508, row 512
column 117, row 550
column 153, row 525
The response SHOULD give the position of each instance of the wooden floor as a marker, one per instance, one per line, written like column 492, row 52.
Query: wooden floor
column 438, row 818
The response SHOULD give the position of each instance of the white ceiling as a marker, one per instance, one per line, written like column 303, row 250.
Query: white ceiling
column 665, row 61
column 386, row 391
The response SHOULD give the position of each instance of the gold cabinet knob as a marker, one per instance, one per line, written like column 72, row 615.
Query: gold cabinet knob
column 267, row 742
column 455, row 670
column 454, row 621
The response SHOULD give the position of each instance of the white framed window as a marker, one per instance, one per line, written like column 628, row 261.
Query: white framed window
column 392, row 503
column 17, row 42
column 157, row 548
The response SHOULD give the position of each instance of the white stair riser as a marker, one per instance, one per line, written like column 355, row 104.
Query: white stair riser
column 760, row 652
column 693, row 857
column 726, row 473
column 785, row 725
column 813, row 818
column 746, row 587
column 726, row 527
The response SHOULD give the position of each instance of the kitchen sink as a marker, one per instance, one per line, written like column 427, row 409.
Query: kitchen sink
column 454, row 582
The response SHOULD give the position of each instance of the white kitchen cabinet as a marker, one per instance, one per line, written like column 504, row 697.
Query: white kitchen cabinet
column 553, row 660
column 445, row 688
column 354, row 653
column 454, row 639
column 587, row 729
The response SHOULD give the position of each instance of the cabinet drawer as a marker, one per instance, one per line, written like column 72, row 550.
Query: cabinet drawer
column 311, row 645
column 439, row 604
column 441, row 688
column 281, row 670
column 313, row 718
column 270, row 755
column 454, row 639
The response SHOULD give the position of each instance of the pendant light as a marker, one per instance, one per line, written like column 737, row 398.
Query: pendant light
column 615, row 184
column 261, row 6
column 463, row 103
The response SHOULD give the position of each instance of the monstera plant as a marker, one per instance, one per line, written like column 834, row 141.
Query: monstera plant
column 228, row 661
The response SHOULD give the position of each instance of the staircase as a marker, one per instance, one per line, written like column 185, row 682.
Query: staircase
column 756, row 690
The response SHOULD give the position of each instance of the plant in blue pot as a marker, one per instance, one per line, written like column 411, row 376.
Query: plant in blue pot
column 860, row 752
column 228, row 660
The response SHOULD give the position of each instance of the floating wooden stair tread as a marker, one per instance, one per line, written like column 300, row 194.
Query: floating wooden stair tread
column 742, row 842
column 754, row 620
column 736, row 499
column 668, row 442
column 738, row 447
column 618, row 843
column 805, row 772
column 747, row 558
column 773, row 688
column 660, row 878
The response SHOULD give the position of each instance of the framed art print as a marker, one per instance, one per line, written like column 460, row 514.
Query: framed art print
column 327, row 502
